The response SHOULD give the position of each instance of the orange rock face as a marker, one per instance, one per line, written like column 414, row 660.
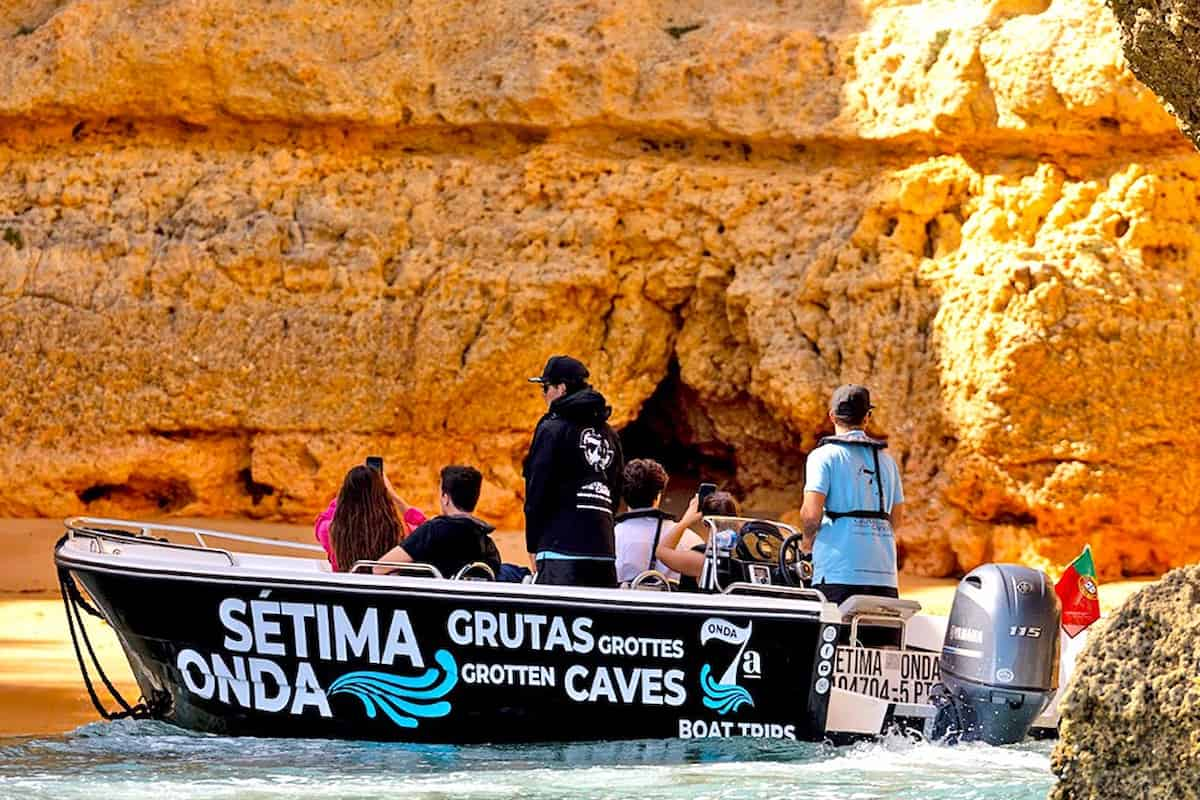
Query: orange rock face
column 242, row 244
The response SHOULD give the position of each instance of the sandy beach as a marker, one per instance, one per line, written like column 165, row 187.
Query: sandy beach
column 40, row 688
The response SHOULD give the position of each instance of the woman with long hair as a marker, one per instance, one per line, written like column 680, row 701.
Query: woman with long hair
column 364, row 522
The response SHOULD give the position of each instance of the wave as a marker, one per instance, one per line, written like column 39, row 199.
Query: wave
column 723, row 698
column 166, row 761
column 404, row 700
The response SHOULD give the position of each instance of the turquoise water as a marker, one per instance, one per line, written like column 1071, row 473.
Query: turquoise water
column 158, row 762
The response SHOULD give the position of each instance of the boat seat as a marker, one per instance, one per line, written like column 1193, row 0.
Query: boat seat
column 869, row 605
column 879, row 612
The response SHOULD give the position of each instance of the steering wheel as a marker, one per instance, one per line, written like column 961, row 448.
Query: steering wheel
column 793, row 566
column 759, row 541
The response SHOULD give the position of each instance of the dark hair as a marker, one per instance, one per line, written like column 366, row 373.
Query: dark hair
column 365, row 524
column 644, row 480
column 575, row 386
column 719, row 504
column 462, row 485
column 852, row 422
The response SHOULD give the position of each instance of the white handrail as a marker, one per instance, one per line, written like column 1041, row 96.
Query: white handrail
column 742, row 587
column 398, row 568
column 651, row 575
column 98, row 538
column 82, row 524
column 717, row 522
column 489, row 573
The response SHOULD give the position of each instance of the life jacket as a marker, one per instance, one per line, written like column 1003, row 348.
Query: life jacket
column 650, row 513
column 875, row 446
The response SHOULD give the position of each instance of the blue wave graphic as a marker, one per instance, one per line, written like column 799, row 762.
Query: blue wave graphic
column 403, row 700
column 723, row 698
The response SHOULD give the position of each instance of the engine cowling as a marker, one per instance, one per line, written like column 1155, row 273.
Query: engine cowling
column 999, row 661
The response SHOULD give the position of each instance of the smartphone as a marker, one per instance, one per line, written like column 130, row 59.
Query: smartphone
column 706, row 489
column 375, row 463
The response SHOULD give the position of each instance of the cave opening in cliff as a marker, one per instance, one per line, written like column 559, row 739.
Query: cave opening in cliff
column 671, row 429
column 137, row 495
column 763, row 468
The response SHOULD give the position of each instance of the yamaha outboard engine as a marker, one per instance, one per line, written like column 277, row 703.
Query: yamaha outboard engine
column 999, row 663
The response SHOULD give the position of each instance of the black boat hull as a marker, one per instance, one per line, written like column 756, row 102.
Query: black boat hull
column 434, row 661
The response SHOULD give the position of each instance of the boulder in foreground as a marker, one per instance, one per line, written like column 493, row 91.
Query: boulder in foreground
column 1131, row 720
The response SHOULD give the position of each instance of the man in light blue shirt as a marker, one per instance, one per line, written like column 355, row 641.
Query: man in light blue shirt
column 852, row 504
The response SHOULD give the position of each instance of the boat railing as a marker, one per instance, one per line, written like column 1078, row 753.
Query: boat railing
column 98, row 538
column 651, row 580
column 886, row 612
column 774, row 590
column 400, row 568
column 717, row 523
column 476, row 571
column 144, row 533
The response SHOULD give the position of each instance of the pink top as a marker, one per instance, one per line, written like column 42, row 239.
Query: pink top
column 412, row 518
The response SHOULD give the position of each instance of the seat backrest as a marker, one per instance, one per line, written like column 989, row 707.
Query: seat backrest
column 870, row 605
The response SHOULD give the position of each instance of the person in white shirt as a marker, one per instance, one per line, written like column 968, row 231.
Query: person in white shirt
column 639, row 529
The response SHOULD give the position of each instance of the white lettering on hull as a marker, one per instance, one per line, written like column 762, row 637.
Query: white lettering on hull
column 651, row 687
column 721, row 729
column 256, row 683
column 520, row 631
column 388, row 661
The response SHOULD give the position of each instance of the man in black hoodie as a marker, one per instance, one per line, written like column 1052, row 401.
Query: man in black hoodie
column 572, row 481
column 455, row 538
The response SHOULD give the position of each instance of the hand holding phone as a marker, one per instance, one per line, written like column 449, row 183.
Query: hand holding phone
column 375, row 463
column 705, row 490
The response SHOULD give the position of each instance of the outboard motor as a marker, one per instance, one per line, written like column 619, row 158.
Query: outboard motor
column 999, row 663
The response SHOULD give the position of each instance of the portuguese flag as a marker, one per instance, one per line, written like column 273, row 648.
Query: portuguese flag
column 1077, row 589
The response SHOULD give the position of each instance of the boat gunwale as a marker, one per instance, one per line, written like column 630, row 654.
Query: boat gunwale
column 78, row 525
column 77, row 528
column 528, row 593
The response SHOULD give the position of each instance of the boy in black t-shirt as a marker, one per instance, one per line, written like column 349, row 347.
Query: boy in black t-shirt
column 455, row 538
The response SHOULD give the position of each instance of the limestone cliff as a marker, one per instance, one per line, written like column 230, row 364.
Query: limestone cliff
column 244, row 243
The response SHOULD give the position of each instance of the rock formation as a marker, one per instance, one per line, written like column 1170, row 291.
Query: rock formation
column 1162, row 42
column 243, row 244
column 1131, row 715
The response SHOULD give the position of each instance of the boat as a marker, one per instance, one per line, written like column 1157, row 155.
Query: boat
column 248, row 636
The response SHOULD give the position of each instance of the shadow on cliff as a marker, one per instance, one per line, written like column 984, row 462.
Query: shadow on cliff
column 736, row 444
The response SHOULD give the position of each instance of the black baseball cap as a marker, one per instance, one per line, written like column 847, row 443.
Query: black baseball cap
column 562, row 369
column 850, row 401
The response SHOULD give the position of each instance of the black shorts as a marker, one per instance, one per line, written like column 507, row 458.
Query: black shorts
column 838, row 592
column 577, row 572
